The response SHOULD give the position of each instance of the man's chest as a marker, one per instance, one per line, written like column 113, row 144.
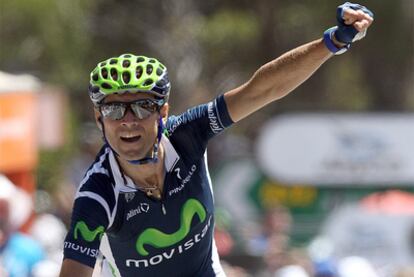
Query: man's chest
column 145, row 225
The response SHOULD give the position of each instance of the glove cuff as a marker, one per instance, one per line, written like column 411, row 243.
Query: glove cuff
column 328, row 40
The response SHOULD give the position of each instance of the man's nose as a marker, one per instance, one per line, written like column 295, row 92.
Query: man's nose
column 129, row 116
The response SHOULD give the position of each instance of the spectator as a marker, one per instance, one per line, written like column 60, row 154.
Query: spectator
column 275, row 231
column 18, row 252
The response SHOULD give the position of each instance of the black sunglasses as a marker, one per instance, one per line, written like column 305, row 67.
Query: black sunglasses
column 141, row 108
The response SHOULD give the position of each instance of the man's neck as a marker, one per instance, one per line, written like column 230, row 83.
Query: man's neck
column 149, row 174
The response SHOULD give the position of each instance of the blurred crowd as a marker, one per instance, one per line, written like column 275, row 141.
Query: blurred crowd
column 274, row 256
column 33, row 249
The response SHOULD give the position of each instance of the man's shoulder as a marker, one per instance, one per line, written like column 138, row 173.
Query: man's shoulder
column 209, row 118
column 98, row 178
column 99, row 170
column 191, row 114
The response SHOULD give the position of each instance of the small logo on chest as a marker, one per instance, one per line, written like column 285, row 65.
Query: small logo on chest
column 177, row 170
column 184, row 181
column 129, row 196
column 142, row 208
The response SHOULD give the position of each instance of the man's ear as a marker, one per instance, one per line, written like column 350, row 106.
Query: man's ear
column 98, row 118
column 164, row 111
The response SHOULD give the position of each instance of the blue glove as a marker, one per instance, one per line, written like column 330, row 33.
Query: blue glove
column 344, row 33
column 347, row 33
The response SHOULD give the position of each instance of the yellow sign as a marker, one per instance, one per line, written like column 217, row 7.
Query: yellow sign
column 271, row 194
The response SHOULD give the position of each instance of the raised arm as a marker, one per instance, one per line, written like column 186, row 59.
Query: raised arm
column 279, row 77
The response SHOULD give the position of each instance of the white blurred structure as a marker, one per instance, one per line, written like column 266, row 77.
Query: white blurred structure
column 326, row 149
column 384, row 240
column 291, row 271
column 19, row 83
column 21, row 203
column 355, row 267
column 50, row 232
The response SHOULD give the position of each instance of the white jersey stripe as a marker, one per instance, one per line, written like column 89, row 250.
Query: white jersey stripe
column 112, row 219
column 218, row 270
column 210, row 184
column 97, row 168
column 97, row 198
column 108, row 263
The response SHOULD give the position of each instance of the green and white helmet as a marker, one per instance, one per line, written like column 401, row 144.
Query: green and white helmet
column 129, row 73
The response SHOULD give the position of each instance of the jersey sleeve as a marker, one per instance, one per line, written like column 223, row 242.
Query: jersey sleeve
column 90, row 219
column 199, row 124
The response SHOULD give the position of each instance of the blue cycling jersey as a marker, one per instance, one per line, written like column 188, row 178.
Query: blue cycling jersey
column 142, row 236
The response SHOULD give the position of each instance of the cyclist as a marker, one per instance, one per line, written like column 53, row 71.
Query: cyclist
column 146, row 202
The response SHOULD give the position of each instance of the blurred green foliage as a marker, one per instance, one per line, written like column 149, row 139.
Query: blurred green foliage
column 209, row 47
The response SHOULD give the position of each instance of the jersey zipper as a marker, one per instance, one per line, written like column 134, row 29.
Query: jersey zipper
column 164, row 196
column 164, row 211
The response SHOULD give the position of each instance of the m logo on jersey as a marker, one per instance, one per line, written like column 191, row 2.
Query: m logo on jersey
column 159, row 239
column 87, row 234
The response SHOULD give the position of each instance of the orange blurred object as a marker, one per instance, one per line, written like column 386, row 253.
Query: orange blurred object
column 18, row 145
column 390, row 202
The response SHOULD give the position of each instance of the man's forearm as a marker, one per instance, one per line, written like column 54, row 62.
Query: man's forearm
column 276, row 79
column 282, row 75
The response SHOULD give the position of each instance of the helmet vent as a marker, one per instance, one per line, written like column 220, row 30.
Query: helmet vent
column 152, row 61
column 126, row 63
column 113, row 61
column 148, row 82
column 138, row 72
column 140, row 59
column 149, row 69
column 95, row 77
column 126, row 77
column 159, row 71
column 106, row 85
column 104, row 73
column 102, row 64
column 95, row 89
column 114, row 74
column 161, row 83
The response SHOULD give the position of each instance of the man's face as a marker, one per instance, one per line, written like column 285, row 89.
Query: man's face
column 132, row 138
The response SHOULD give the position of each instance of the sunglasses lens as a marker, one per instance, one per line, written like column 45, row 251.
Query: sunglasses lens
column 116, row 111
column 113, row 111
column 141, row 111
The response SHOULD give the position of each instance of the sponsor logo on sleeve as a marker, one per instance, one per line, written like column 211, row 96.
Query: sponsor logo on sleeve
column 87, row 234
column 81, row 249
column 214, row 122
column 83, row 232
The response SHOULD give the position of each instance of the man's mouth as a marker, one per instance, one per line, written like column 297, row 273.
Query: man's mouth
column 130, row 139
